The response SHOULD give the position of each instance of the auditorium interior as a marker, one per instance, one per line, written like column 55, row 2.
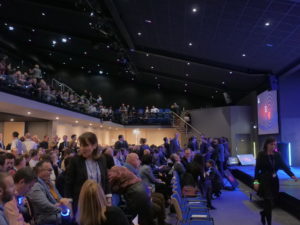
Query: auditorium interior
column 150, row 112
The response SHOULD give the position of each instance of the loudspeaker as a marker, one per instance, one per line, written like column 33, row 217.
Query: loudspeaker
column 283, row 148
column 273, row 82
column 227, row 98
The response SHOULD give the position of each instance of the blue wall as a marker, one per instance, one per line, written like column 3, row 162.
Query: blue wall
column 289, row 102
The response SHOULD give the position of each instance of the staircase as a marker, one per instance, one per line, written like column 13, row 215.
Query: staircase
column 185, row 129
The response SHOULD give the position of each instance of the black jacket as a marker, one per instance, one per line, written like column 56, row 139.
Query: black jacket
column 76, row 175
column 266, row 167
column 62, row 145
column 120, row 145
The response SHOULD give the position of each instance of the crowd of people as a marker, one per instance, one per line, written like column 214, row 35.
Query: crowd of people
column 77, row 181
column 30, row 82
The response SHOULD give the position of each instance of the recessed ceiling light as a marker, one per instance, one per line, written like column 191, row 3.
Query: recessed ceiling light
column 76, row 121
column 269, row 45
column 82, row 67
column 98, row 65
column 11, row 28
column 107, row 46
column 152, row 67
column 216, row 91
column 53, row 42
column 101, row 126
column 100, row 71
column 132, row 78
column 29, row 113
column 147, row 54
column 139, row 33
column 186, row 74
column 29, row 40
column 91, row 14
column 194, row 10
column 85, row 53
column 70, row 59
column 33, row 30
column 190, row 44
column 64, row 40
column 5, row 24
column 50, row 53
column 230, row 72
column 90, row 23
column 64, row 63
column 267, row 24
column 185, row 90
column 244, row 55
column 223, row 82
column 109, row 128
column 188, row 63
column 185, row 84
column 12, row 120
column 148, row 21
column 155, row 78
column 43, row 14
column 91, row 124
column 212, row 96
column 57, row 118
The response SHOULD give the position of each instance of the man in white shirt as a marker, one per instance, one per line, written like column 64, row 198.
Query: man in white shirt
column 29, row 143
column 16, row 144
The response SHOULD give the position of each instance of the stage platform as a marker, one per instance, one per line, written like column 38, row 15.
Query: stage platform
column 289, row 197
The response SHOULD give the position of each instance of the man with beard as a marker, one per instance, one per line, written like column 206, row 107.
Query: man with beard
column 7, row 189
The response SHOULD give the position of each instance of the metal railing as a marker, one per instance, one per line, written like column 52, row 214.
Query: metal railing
column 186, row 124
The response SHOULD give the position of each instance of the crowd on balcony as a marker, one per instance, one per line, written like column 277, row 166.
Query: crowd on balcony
column 30, row 82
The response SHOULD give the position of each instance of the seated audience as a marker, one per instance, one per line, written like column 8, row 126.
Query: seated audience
column 93, row 209
column 34, row 158
column 44, row 198
column 7, row 189
column 17, row 209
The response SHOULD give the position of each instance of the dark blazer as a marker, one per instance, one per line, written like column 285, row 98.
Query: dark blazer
column 174, row 146
column 193, row 145
column 76, row 175
column 264, row 171
column 62, row 145
column 119, row 145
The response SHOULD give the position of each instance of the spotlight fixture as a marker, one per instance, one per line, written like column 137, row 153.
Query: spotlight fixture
column 139, row 33
column 147, row 54
column 148, row 21
column 76, row 121
column 267, row 24
column 190, row 44
column 100, row 72
column 244, row 55
column 85, row 53
column 57, row 118
column 11, row 28
column 70, row 59
column 12, row 120
column 64, row 40
column 53, row 42
column 188, row 63
column 91, row 14
column 91, row 124
column 223, row 82
column 29, row 40
column 269, row 45
column 230, row 72
column 33, row 30
column 152, row 67
column 50, row 54
column 155, row 78
column 194, row 10
column 186, row 74
column 28, row 113
column 64, row 63
column 43, row 14
column 185, row 90
column 132, row 78
column 185, row 84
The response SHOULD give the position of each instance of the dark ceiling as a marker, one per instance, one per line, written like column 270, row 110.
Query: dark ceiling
column 203, row 47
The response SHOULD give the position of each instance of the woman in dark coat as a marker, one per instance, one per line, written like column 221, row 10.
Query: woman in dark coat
column 266, row 181
column 87, row 165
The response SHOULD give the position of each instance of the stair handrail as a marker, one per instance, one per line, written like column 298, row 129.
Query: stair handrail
column 193, row 128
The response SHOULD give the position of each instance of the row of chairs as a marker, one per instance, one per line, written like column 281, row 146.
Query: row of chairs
column 190, row 210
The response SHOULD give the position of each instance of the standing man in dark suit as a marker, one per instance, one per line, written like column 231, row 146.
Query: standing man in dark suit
column 121, row 143
column 64, row 143
column 175, row 145
column 167, row 147
column 1, row 142
column 193, row 144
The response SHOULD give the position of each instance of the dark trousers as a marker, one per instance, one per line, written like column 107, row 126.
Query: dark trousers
column 267, row 212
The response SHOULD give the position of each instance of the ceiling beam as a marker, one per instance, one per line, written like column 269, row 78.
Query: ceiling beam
column 214, row 64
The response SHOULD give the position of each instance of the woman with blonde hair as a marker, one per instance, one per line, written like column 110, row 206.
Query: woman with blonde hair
column 93, row 208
